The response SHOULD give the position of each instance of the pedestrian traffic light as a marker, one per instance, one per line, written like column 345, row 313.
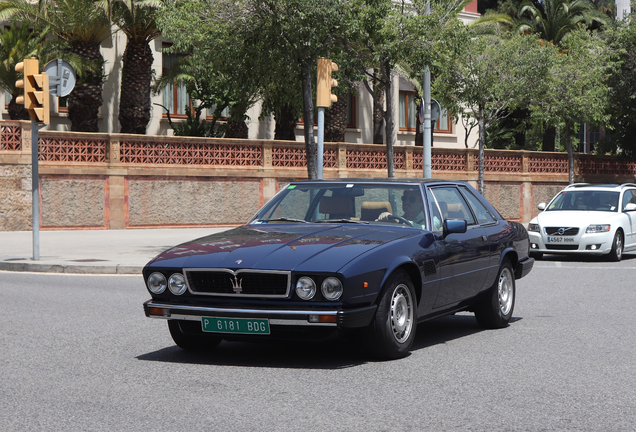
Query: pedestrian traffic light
column 36, row 90
column 324, row 98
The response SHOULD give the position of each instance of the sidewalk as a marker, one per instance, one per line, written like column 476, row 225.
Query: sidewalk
column 91, row 251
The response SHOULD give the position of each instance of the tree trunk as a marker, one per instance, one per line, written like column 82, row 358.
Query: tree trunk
column 17, row 111
column 285, row 124
column 549, row 137
column 568, row 140
column 378, row 118
column 336, row 120
column 134, row 101
column 86, row 99
column 308, row 118
column 482, row 146
column 386, row 72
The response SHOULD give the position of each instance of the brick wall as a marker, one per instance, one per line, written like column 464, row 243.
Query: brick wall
column 115, row 181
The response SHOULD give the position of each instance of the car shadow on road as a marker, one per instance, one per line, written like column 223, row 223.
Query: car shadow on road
column 627, row 256
column 336, row 354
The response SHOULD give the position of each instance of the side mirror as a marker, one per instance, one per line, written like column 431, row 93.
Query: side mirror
column 541, row 206
column 455, row 226
column 630, row 207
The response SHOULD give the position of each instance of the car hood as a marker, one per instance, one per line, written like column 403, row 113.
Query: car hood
column 574, row 218
column 303, row 247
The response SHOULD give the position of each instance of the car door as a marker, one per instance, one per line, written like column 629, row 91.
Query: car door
column 463, row 256
column 629, row 197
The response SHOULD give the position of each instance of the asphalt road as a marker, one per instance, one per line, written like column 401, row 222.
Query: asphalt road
column 77, row 354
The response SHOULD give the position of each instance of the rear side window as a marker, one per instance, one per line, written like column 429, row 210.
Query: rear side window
column 452, row 205
column 481, row 212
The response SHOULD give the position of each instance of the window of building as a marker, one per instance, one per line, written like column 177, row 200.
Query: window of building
column 175, row 97
column 408, row 117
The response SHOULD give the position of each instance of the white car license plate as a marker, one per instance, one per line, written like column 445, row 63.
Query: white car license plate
column 560, row 239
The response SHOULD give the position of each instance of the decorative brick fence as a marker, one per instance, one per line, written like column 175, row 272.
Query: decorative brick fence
column 116, row 181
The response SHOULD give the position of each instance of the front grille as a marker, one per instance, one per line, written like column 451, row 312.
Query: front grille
column 561, row 247
column 239, row 283
column 567, row 231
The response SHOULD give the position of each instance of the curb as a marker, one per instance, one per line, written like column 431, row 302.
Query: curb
column 70, row 269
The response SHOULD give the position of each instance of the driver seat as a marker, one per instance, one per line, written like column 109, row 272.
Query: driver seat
column 370, row 210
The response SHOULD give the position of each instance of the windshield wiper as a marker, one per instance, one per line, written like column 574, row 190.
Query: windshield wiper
column 284, row 219
column 341, row 221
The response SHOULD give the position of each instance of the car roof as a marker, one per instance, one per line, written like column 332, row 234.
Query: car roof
column 382, row 180
column 616, row 187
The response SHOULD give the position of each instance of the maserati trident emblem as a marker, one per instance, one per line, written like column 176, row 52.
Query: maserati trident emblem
column 239, row 261
column 236, row 285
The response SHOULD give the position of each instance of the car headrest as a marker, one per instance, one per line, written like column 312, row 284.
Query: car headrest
column 342, row 206
column 370, row 210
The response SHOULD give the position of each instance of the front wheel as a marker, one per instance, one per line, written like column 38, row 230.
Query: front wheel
column 189, row 336
column 391, row 334
column 617, row 247
column 496, row 307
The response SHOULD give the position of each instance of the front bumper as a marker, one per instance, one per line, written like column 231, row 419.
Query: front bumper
column 595, row 244
column 349, row 318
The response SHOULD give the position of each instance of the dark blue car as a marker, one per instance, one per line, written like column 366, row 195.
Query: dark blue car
column 365, row 258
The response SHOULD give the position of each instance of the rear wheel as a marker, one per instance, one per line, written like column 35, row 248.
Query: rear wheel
column 391, row 334
column 617, row 247
column 496, row 307
column 189, row 336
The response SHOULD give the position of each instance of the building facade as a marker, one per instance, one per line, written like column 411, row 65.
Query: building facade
column 360, row 128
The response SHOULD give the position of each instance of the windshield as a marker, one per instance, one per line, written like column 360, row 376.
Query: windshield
column 582, row 200
column 356, row 203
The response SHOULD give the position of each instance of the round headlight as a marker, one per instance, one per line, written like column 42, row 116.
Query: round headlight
column 332, row 288
column 157, row 283
column 177, row 284
column 306, row 288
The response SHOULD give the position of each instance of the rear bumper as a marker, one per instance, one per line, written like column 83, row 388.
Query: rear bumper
column 524, row 267
column 350, row 318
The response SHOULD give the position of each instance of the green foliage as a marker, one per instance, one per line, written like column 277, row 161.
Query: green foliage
column 622, row 96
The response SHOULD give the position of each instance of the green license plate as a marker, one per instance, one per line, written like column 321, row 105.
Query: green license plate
column 235, row 325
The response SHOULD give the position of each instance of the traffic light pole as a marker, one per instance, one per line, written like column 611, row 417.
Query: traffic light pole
column 35, row 188
column 321, row 141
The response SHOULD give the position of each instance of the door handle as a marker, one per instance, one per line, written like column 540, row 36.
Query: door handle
column 484, row 238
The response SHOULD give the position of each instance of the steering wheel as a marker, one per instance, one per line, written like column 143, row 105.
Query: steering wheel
column 400, row 219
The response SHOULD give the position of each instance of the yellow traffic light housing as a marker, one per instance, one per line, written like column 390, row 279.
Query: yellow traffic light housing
column 324, row 98
column 36, row 90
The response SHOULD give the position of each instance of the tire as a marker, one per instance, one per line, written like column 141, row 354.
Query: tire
column 617, row 247
column 392, row 331
column 497, row 306
column 189, row 336
column 536, row 255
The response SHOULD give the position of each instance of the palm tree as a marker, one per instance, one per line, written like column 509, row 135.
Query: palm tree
column 16, row 44
column 84, row 25
column 136, row 18
column 553, row 20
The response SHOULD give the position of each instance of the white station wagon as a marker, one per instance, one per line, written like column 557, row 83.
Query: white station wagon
column 586, row 219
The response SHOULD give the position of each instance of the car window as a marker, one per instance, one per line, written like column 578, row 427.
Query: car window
column 628, row 197
column 346, row 203
column 481, row 212
column 585, row 200
column 452, row 205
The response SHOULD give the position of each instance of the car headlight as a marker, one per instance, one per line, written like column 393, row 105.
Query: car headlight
column 331, row 288
column 177, row 284
column 157, row 283
column 597, row 229
column 533, row 227
column 306, row 288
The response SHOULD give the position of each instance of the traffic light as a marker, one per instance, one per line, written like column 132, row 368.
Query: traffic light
column 36, row 90
column 324, row 98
